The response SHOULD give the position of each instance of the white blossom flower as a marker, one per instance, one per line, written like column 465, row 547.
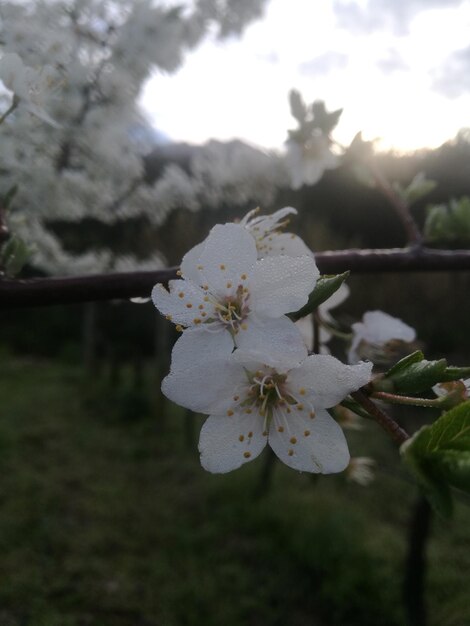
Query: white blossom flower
column 263, row 396
column 379, row 337
column 307, row 162
column 360, row 470
column 226, row 289
column 461, row 388
column 268, row 235
column 27, row 84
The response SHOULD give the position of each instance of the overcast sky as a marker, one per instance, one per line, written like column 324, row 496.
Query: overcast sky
column 399, row 68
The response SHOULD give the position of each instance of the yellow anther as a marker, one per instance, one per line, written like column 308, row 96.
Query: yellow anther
column 243, row 276
column 179, row 328
column 168, row 317
column 200, row 267
column 247, row 455
column 201, row 306
column 288, row 410
column 230, row 412
column 196, row 320
column 302, row 391
column 179, row 273
column 250, row 434
column 293, row 440
column 229, row 284
column 280, row 429
column 205, row 287
column 248, row 411
column 312, row 414
column 222, row 266
column 306, row 433
column 236, row 398
column 300, row 407
column 181, row 294
column 189, row 305
column 241, row 438
column 206, row 298
column 203, row 314
column 265, row 433
column 290, row 452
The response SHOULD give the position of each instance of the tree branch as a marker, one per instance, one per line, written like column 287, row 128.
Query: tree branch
column 389, row 424
column 68, row 290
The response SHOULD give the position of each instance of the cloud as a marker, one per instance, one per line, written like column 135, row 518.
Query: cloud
column 392, row 15
column 392, row 63
column 453, row 78
column 324, row 64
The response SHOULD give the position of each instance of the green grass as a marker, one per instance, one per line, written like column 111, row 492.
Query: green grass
column 107, row 519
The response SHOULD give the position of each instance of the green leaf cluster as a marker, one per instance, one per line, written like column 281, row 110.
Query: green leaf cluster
column 448, row 222
column 324, row 289
column 439, row 457
column 312, row 118
column 414, row 374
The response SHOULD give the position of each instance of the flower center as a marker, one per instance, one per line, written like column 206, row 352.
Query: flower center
column 233, row 309
column 266, row 392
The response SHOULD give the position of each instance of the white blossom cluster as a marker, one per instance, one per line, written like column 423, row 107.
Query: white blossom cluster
column 241, row 360
column 79, row 66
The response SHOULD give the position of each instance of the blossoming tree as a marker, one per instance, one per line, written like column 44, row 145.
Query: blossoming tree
column 239, row 295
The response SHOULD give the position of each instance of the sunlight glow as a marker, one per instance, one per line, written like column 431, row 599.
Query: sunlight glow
column 384, row 82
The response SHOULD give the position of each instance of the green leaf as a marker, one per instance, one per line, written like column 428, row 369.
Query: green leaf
column 416, row 375
column 298, row 108
column 324, row 289
column 401, row 366
column 439, row 456
column 449, row 223
column 14, row 255
column 323, row 119
column 455, row 373
column 419, row 187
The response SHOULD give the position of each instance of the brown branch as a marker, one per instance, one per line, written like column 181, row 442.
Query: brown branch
column 389, row 424
column 69, row 290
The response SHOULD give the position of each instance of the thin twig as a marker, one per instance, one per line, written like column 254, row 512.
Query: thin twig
column 409, row 400
column 388, row 423
column 10, row 109
column 400, row 206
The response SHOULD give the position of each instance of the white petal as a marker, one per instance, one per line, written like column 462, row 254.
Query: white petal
column 326, row 380
column 284, row 243
column 190, row 262
column 181, row 304
column 379, row 327
column 309, row 444
column 282, row 284
column 203, row 376
column 229, row 254
column 274, row 342
column 305, row 325
column 312, row 171
column 263, row 224
column 226, row 443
